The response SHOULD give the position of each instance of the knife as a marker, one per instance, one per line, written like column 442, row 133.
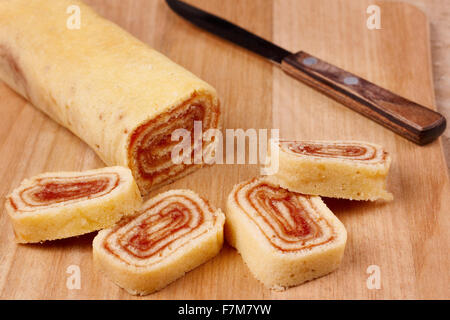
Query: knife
column 406, row 118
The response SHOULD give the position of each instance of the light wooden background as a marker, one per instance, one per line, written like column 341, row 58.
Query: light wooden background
column 408, row 238
column 438, row 13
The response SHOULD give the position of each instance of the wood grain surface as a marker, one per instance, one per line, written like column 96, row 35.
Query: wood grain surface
column 407, row 238
column 438, row 13
column 406, row 118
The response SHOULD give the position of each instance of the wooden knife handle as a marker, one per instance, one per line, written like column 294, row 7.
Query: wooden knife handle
column 407, row 118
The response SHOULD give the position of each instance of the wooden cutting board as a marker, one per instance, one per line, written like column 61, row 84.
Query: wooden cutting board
column 407, row 239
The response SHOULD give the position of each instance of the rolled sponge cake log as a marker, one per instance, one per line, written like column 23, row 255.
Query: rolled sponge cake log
column 121, row 97
column 59, row 205
column 172, row 234
column 285, row 238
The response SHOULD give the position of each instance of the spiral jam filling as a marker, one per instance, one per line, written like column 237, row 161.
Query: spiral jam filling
column 341, row 150
column 162, row 229
column 52, row 191
column 289, row 221
column 151, row 144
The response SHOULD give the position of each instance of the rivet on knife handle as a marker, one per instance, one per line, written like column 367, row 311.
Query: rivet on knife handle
column 407, row 118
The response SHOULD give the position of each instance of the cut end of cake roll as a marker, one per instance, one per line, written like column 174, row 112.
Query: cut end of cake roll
column 285, row 238
column 173, row 233
column 59, row 205
column 150, row 146
column 352, row 170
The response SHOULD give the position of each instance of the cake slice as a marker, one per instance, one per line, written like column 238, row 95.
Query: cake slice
column 285, row 238
column 339, row 169
column 173, row 233
column 64, row 204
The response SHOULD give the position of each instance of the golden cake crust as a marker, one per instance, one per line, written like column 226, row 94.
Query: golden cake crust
column 116, row 93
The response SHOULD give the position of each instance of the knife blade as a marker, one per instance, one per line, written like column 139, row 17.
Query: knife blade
column 406, row 118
